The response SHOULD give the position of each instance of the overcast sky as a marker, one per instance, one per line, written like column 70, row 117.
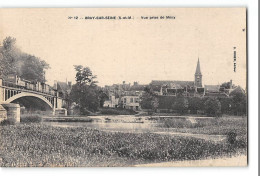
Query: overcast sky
column 136, row 49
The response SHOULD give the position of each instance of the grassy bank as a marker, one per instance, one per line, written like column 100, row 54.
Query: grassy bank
column 42, row 145
column 31, row 118
column 214, row 126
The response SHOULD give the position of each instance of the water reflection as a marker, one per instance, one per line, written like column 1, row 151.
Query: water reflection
column 114, row 123
column 132, row 124
column 121, row 123
column 110, row 126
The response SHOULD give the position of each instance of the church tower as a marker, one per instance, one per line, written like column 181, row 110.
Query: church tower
column 198, row 75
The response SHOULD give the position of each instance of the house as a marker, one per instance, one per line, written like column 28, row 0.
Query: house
column 130, row 102
column 63, row 90
column 117, row 89
column 217, row 90
column 212, row 88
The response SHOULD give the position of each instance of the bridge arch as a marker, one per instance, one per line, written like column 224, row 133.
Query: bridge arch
column 28, row 94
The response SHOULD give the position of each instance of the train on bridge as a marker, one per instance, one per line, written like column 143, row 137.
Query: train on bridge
column 17, row 82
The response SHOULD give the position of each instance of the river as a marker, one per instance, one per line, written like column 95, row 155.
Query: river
column 133, row 124
column 119, row 123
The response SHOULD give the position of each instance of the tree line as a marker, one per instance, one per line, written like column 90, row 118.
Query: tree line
column 235, row 104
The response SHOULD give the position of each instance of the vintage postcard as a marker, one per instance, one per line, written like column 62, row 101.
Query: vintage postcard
column 123, row 87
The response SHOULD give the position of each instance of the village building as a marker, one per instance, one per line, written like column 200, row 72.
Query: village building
column 185, row 88
column 124, row 95
column 131, row 102
column 63, row 90
column 112, row 102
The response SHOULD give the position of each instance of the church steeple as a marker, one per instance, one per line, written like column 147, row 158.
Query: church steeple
column 198, row 72
column 198, row 75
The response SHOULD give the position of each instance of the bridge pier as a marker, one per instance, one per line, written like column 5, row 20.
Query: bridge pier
column 13, row 111
column 3, row 113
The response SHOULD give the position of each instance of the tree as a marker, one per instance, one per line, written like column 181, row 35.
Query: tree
column 155, row 104
column 195, row 104
column 149, row 99
column 239, row 100
column 84, row 75
column 9, row 57
column 9, row 43
column 34, row 69
column 213, row 107
column 14, row 61
column 85, row 92
column 226, row 105
column 102, row 97
column 226, row 85
column 180, row 104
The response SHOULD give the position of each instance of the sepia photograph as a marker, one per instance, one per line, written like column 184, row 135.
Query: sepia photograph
column 123, row 87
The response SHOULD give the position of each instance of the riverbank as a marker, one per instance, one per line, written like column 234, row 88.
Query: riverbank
column 48, row 146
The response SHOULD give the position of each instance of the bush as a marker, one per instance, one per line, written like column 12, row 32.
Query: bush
column 218, row 126
column 31, row 118
column 231, row 137
column 117, row 111
column 206, row 122
column 185, row 123
column 9, row 121
column 176, row 123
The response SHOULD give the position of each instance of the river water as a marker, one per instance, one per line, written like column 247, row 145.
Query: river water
column 133, row 124
column 119, row 123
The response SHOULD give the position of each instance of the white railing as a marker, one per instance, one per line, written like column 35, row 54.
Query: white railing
column 30, row 88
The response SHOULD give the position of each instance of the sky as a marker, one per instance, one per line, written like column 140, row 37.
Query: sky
column 133, row 49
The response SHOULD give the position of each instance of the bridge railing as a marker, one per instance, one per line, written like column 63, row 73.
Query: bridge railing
column 28, row 86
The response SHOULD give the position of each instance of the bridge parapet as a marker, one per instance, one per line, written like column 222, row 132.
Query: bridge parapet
column 30, row 87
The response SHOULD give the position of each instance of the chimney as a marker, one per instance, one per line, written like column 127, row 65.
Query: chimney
column 231, row 85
